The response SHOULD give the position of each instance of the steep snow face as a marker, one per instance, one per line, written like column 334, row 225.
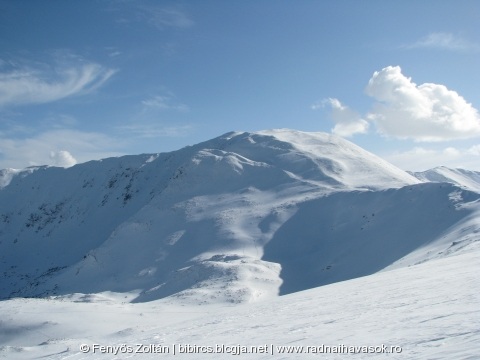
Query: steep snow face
column 238, row 218
column 461, row 177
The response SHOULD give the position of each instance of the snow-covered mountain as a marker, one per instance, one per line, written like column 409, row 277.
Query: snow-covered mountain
column 241, row 217
column 464, row 178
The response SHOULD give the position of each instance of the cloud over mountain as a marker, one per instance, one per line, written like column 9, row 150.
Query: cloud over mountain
column 42, row 148
column 63, row 158
column 347, row 121
column 426, row 112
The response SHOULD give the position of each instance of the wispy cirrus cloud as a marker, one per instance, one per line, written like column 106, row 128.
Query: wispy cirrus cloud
column 33, row 84
column 444, row 41
column 148, row 122
column 164, row 102
column 160, row 17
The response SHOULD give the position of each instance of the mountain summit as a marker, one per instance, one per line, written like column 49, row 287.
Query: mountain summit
column 237, row 218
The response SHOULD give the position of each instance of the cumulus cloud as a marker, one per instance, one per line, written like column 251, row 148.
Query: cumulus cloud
column 62, row 158
column 347, row 121
column 28, row 85
column 426, row 112
column 444, row 41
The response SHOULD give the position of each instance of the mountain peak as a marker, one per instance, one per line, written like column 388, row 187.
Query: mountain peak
column 237, row 218
column 316, row 157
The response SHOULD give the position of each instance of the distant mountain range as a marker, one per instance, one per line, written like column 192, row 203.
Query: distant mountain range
column 238, row 218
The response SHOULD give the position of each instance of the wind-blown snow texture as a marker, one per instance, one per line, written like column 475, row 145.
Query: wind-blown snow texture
column 431, row 311
column 238, row 218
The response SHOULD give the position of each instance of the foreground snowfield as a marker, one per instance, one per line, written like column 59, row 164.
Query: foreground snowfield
column 430, row 310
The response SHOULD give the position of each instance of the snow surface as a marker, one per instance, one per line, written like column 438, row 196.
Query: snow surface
column 208, row 222
column 430, row 310
column 195, row 245
column 467, row 179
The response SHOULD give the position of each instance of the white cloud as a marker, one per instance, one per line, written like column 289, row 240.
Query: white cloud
column 27, row 85
column 347, row 121
column 42, row 149
column 62, row 158
column 444, row 41
column 421, row 159
column 427, row 112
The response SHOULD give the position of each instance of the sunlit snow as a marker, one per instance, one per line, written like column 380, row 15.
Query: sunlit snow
column 195, row 246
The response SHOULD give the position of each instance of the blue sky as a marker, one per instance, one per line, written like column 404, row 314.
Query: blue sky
column 83, row 80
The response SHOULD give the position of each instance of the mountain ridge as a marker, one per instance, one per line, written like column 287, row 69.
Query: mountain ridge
column 464, row 178
column 218, row 221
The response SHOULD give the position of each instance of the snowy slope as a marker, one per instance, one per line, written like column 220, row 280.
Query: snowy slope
column 430, row 310
column 239, row 218
column 6, row 175
column 461, row 177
